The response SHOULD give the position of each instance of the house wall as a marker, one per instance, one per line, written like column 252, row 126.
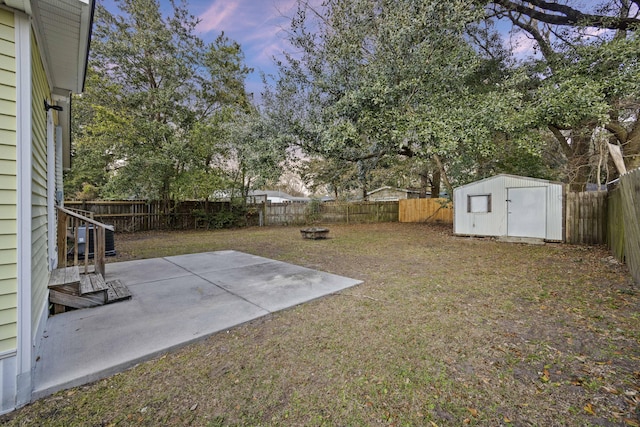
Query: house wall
column 388, row 194
column 8, row 186
column 391, row 194
column 39, row 257
column 8, row 212
column 494, row 223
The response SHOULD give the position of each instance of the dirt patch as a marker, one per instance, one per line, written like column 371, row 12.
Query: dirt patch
column 444, row 331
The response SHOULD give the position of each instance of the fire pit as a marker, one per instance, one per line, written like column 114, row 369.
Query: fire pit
column 314, row 233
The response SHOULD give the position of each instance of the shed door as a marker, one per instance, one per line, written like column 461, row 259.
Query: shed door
column 527, row 212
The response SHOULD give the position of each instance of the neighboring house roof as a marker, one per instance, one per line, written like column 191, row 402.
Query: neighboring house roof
column 278, row 196
column 386, row 187
column 394, row 190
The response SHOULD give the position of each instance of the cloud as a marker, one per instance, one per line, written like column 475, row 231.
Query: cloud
column 521, row 45
column 257, row 26
column 218, row 15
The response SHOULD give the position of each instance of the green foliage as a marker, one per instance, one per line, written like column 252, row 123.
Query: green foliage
column 313, row 211
column 380, row 79
column 235, row 216
column 372, row 81
column 158, row 100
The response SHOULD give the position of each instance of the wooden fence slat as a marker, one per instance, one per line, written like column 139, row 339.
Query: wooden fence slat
column 585, row 217
column 425, row 210
column 630, row 207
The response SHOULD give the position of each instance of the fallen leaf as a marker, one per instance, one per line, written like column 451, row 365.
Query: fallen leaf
column 194, row 407
column 506, row 420
column 433, row 424
column 588, row 408
column 474, row 412
column 545, row 376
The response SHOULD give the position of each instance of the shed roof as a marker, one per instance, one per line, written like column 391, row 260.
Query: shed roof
column 504, row 175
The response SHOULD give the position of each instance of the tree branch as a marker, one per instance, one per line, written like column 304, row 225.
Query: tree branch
column 443, row 175
column 564, row 144
column 542, row 11
column 617, row 130
column 545, row 47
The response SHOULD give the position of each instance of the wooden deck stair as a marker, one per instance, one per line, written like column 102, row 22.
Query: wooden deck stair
column 70, row 289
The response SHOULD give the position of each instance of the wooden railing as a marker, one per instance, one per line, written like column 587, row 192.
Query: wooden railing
column 69, row 224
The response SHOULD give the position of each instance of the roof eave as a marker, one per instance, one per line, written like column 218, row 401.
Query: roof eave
column 66, row 62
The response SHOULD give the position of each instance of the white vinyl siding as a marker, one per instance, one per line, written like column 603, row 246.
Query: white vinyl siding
column 39, row 257
column 8, row 185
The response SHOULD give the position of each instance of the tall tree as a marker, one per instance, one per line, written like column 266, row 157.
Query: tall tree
column 158, row 97
column 587, row 76
column 373, row 79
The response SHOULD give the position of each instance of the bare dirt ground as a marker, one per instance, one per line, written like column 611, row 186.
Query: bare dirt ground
column 444, row 331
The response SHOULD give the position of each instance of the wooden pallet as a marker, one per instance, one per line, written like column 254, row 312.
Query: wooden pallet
column 117, row 291
column 68, row 289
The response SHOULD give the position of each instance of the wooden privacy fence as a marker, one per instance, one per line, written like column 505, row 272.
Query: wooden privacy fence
column 331, row 212
column 586, row 217
column 611, row 218
column 143, row 215
column 426, row 210
column 359, row 212
column 624, row 222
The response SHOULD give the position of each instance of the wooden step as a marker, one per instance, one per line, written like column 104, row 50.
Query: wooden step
column 65, row 276
column 89, row 290
column 117, row 291
column 76, row 301
column 91, row 283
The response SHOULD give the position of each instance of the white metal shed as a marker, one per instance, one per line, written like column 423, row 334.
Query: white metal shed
column 509, row 206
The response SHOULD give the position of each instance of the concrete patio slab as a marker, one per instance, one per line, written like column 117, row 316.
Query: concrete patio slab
column 214, row 261
column 265, row 284
column 145, row 270
column 175, row 301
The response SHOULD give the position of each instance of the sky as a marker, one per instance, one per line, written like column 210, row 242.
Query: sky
column 260, row 28
column 258, row 25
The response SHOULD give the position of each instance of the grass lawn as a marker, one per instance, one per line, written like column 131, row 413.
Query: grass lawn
column 444, row 331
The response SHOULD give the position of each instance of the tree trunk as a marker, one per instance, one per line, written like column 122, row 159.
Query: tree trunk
column 424, row 183
column 435, row 184
column 443, row 175
column 579, row 168
column 632, row 148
